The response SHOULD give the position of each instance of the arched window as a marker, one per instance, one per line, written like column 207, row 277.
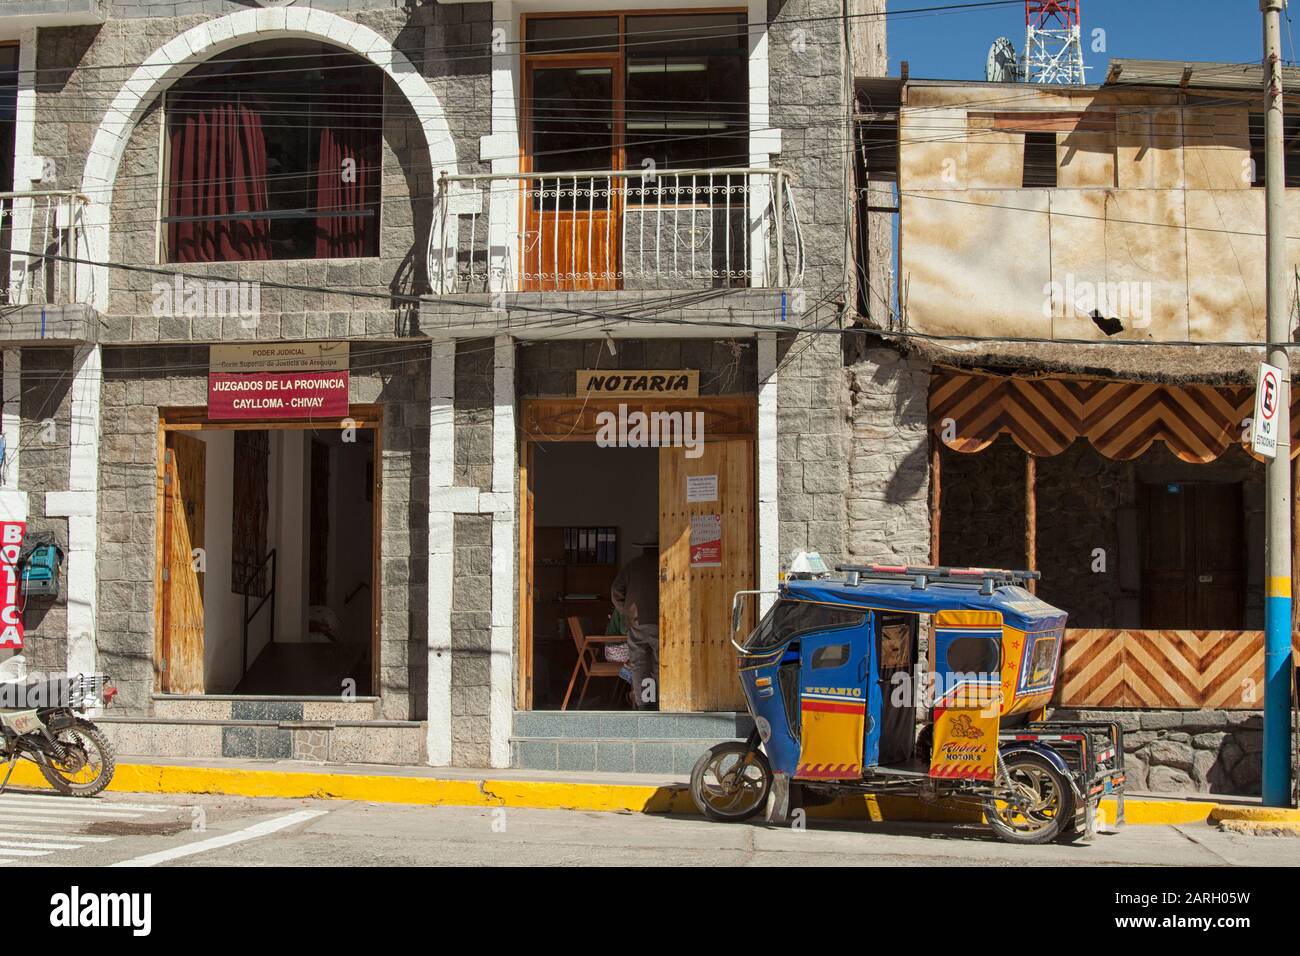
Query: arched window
column 273, row 152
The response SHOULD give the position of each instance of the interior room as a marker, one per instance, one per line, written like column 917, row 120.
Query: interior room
column 281, row 526
column 594, row 506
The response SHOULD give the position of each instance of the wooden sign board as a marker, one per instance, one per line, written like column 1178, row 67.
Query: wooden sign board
column 646, row 383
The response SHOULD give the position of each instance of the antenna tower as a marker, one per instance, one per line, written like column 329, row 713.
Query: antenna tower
column 1053, row 50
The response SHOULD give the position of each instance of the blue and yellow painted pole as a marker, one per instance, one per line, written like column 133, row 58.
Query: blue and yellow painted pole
column 1276, row 788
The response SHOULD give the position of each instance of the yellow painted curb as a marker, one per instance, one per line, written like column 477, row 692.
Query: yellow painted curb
column 547, row 795
column 1254, row 814
column 1261, row 827
column 1166, row 812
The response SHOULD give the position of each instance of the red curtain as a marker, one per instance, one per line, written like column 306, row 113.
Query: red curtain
column 218, row 157
column 346, row 176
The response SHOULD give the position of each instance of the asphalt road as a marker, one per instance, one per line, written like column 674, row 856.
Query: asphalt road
column 145, row 830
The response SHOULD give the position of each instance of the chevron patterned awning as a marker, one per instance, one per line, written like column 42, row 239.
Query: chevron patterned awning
column 1044, row 417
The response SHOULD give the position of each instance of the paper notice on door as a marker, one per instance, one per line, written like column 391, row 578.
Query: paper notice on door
column 706, row 541
column 701, row 488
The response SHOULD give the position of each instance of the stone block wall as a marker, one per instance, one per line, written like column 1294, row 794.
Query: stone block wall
column 982, row 524
column 471, row 593
column 1187, row 751
column 45, row 407
column 888, row 458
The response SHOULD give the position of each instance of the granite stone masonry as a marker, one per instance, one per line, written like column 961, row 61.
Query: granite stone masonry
column 1187, row 751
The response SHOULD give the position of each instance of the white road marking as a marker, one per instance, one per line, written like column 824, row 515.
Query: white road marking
column 49, row 833
column 34, row 845
column 43, row 825
column 32, row 798
column 265, row 828
column 55, row 811
column 43, row 821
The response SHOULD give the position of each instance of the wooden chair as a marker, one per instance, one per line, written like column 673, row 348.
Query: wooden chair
column 590, row 663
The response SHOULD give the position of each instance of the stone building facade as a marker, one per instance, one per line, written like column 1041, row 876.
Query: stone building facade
column 1000, row 420
column 97, row 377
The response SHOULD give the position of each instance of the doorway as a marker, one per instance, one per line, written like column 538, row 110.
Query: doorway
column 1193, row 555
column 700, row 509
column 266, row 558
column 596, row 509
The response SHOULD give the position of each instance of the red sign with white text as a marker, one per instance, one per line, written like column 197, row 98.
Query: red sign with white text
column 277, row 395
column 11, row 612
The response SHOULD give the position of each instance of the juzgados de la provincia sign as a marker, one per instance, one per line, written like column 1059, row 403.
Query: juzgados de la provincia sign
column 279, row 381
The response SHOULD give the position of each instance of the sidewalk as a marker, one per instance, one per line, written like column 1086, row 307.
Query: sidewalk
column 536, row 789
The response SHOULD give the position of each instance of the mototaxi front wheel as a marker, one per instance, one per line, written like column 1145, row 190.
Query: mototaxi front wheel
column 730, row 782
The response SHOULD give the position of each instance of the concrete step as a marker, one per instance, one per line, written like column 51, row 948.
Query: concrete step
column 626, row 725
column 594, row 755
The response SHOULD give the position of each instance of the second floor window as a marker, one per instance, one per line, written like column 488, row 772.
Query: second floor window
column 274, row 152
column 1040, row 159
column 638, row 91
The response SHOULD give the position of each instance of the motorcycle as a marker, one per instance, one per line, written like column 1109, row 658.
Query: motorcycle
column 43, row 720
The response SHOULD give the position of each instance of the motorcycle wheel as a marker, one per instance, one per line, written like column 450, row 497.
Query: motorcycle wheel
column 1044, row 804
column 90, row 763
column 730, row 782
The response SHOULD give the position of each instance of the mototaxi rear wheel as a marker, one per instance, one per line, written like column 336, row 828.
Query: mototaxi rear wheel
column 1034, row 802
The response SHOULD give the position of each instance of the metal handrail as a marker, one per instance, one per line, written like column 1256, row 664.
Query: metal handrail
column 52, row 221
column 616, row 173
column 268, row 596
column 726, row 224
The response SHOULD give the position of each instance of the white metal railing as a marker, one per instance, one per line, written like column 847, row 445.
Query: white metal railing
column 615, row 229
column 40, row 232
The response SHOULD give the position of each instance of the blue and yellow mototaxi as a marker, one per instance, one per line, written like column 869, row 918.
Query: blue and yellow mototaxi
column 932, row 681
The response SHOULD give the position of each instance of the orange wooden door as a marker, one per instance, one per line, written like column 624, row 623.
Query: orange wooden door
column 181, row 664
column 697, row 663
column 572, row 223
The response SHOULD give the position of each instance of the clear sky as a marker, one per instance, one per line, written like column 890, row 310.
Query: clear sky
column 954, row 45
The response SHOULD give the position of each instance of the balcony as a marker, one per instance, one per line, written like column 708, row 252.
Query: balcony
column 679, row 230
column 40, row 234
column 25, row 14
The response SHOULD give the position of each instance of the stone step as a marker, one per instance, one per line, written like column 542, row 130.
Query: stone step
column 589, row 754
column 378, row 742
column 262, row 708
column 630, row 725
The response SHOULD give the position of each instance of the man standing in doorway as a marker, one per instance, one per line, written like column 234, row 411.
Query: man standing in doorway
column 635, row 594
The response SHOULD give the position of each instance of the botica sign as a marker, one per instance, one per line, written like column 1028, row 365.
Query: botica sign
column 280, row 380
column 648, row 383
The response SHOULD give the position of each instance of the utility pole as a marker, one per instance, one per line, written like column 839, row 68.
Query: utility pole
column 1276, row 789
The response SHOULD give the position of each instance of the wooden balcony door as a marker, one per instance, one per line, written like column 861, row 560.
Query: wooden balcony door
column 572, row 224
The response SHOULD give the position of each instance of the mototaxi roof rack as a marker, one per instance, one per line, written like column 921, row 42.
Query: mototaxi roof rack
column 988, row 579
